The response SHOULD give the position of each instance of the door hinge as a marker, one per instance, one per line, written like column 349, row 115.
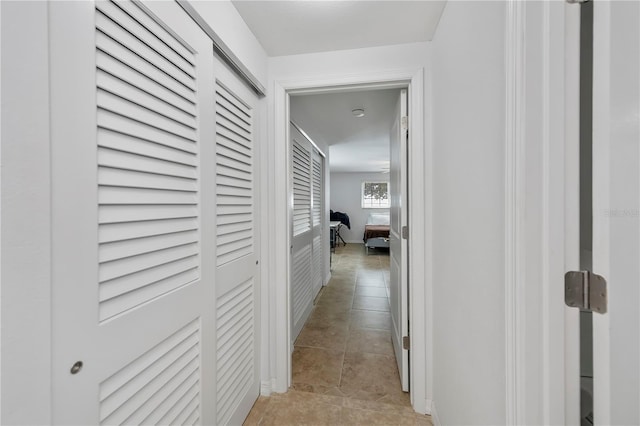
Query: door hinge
column 405, row 232
column 406, row 343
column 405, row 122
column 585, row 290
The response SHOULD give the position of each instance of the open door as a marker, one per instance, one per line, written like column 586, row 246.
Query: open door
column 398, row 286
column 616, row 211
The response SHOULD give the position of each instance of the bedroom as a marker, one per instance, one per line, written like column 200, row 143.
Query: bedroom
column 349, row 332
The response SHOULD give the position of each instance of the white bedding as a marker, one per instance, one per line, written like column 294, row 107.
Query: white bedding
column 378, row 219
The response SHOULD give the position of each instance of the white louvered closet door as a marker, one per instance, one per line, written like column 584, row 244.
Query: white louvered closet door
column 132, row 95
column 307, row 235
column 237, row 286
column 317, row 216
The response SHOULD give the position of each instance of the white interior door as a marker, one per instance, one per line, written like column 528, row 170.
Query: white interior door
column 616, row 207
column 154, row 285
column 237, row 287
column 317, row 214
column 302, row 286
column 308, row 229
column 398, row 286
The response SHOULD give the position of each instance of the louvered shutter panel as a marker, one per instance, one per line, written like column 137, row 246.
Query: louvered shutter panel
column 131, row 84
column 147, row 161
column 317, row 177
column 301, row 188
column 234, row 177
column 307, row 234
column 237, row 378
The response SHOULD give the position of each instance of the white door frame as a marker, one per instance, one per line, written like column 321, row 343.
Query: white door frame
column 419, row 248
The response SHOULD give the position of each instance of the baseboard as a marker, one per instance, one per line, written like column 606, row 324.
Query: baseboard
column 434, row 415
column 428, row 407
column 266, row 387
column 328, row 278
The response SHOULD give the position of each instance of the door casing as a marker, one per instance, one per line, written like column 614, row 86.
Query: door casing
column 419, row 248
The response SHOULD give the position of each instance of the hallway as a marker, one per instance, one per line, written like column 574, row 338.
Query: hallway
column 344, row 370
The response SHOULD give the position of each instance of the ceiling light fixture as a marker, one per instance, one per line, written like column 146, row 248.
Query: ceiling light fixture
column 358, row 112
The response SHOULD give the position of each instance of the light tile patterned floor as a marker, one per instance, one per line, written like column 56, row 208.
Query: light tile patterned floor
column 344, row 370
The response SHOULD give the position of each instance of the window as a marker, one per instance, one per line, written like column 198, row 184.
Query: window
column 375, row 195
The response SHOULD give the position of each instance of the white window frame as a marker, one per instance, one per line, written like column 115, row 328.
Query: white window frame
column 362, row 203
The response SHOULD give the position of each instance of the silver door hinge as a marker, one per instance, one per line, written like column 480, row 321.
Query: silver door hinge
column 405, row 232
column 405, row 122
column 585, row 290
column 406, row 342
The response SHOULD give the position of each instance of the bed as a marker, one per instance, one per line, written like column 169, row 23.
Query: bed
column 377, row 226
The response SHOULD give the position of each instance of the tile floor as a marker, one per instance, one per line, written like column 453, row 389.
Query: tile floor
column 344, row 369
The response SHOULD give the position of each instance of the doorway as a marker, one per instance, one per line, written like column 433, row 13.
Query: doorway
column 343, row 344
column 417, row 146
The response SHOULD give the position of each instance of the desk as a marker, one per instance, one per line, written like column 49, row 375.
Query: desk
column 334, row 228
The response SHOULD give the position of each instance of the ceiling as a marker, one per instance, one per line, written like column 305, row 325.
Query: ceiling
column 302, row 26
column 356, row 144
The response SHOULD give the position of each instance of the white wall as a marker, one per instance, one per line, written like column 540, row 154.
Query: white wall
column 346, row 197
column 468, row 213
column 322, row 69
column 225, row 20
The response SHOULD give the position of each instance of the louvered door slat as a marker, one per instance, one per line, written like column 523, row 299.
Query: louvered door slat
column 235, row 226
column 163, row 385
column 131, row 213
column 123, row 249
column 155, row 368
column 127, row 107
column 164, row 401
column 114, row 232
column 126, row 72
column 237, row 104
column 162, row 32
column 139, row 25
column 125, row 90
column 243, row 116
column 134, row 179
column 181, row 270
column 223, row 180
column 114, row 121
column 126, row 161
column 122, row 35
column 233, row 122
column 123, row 195
column 226, row 136
column 116, row 52
column 185, row 399
column 230, row 151
column 133, row 264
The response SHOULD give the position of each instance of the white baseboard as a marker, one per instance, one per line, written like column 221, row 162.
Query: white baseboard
column 266, row 387
column 428, row 407
column 434, row 415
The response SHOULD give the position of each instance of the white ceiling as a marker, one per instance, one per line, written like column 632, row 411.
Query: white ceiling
column 302, row 26
column 356, row 144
